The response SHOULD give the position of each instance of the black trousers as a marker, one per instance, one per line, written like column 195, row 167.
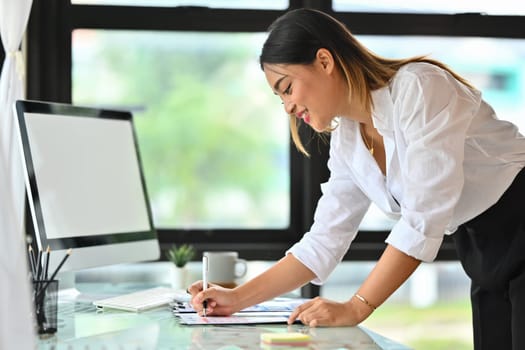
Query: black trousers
column 491, row 248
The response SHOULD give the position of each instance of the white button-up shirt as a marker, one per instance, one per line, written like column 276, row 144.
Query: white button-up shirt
column 448, row 158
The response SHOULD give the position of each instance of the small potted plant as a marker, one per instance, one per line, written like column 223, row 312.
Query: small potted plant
column 179, row 256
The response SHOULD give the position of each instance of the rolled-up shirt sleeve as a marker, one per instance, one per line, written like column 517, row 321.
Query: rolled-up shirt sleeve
column 433, row 112
column 339, row 211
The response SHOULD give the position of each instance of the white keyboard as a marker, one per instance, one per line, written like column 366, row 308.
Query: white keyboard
column 142, row 300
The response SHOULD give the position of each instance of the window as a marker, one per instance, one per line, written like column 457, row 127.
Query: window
column 220, row 168
column 505, row 7
column 230, row 4
column 496, row 66
column 214, row 139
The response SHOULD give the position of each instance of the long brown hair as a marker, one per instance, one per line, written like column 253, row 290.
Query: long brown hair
column 295, row 38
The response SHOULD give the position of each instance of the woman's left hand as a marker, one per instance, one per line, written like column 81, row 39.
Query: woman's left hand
column 324, row 312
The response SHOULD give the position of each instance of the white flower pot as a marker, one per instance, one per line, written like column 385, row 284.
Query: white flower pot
column 179, row 277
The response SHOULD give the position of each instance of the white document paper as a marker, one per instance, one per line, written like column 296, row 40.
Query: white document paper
column 239, row 318
column 274, row 305
column 273, row 311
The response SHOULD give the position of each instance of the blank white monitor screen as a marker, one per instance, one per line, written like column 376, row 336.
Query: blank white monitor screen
column 85, row 184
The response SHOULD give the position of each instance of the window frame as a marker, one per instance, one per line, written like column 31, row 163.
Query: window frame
column 49, row 78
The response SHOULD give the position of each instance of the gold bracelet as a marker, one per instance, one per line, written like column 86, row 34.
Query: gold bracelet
column 363, row 300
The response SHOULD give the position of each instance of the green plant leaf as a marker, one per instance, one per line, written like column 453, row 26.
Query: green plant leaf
column 180, row 255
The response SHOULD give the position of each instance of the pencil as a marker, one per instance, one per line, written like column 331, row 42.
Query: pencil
column 46, row 263
column 54, row 273
column 68, row 253
column 38, row 264
column 32, row 261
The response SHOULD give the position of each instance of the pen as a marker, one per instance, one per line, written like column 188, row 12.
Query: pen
column 204, row 282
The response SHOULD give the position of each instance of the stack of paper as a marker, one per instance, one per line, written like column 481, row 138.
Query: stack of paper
column 274, row 311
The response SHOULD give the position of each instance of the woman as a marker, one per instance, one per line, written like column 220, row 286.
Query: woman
column 416, row 139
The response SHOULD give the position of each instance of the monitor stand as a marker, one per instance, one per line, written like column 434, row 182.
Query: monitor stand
column 101, row 282
column 69, row 287
column 70, row 290
column 66, row 284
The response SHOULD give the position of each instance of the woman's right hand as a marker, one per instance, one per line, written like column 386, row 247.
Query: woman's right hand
column 220, row 301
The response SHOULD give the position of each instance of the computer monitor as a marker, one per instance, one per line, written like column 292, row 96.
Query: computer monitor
column 85, row 185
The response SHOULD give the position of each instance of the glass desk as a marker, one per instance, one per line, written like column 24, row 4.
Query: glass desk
column 81, row 326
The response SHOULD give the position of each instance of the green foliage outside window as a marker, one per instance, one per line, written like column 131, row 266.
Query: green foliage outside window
column 213, row 138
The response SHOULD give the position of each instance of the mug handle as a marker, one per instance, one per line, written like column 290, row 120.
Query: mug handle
column 243, row 263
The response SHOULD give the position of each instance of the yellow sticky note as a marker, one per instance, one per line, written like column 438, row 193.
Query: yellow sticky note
column 295, row 339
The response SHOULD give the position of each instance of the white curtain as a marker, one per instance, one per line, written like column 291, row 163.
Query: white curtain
column 16, row 323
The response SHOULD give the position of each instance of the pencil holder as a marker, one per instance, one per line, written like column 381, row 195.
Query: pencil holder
column 45, row 298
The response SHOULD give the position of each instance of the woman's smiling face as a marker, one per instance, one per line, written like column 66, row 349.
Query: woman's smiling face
column 310, row 92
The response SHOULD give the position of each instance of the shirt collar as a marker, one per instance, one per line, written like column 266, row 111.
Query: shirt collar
column 383, row 108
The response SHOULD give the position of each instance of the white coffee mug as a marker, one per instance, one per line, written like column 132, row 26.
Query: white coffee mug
column 225, row 267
